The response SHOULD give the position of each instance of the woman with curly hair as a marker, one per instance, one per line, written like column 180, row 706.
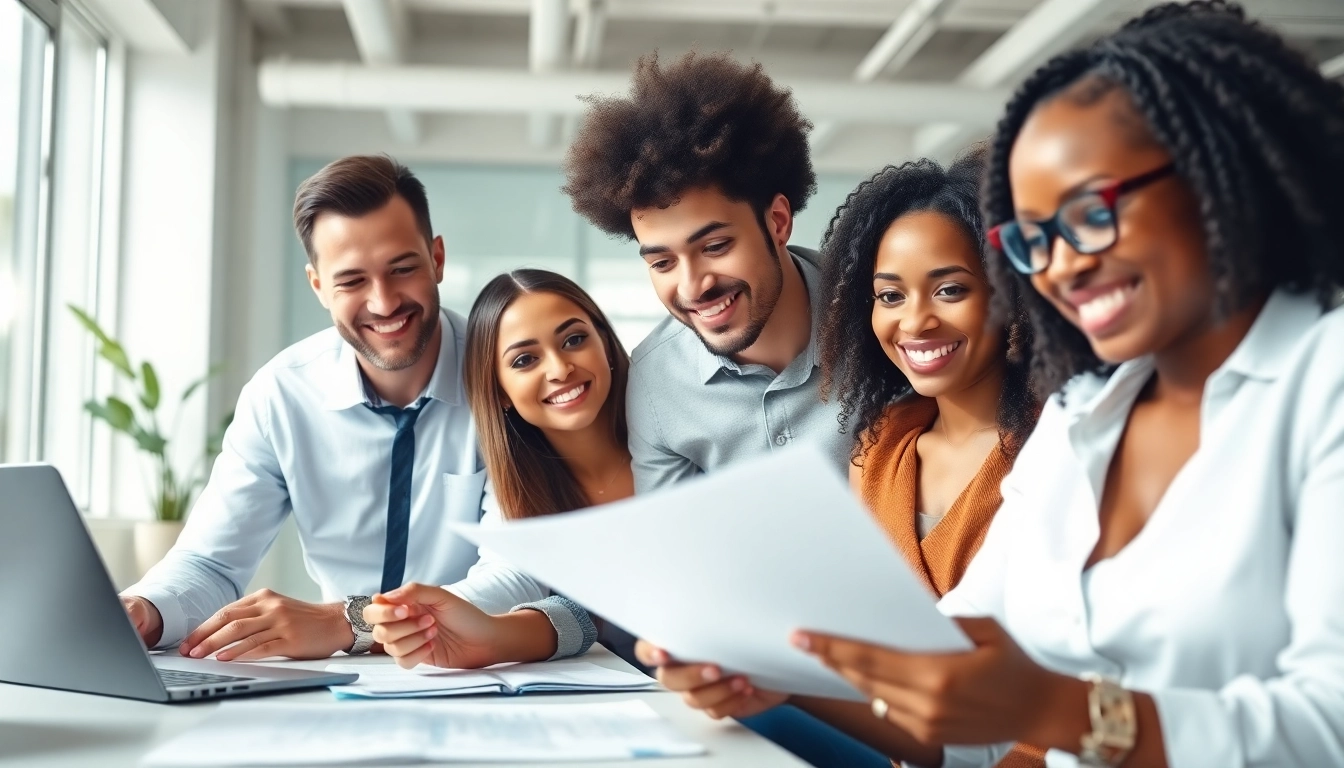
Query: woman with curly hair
column 1162, row 585
column 936, row 390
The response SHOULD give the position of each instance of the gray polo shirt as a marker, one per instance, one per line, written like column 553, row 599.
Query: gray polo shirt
column 692, row 411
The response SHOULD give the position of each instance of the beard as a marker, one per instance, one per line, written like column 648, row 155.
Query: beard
column 728, row 343
column 396, row 359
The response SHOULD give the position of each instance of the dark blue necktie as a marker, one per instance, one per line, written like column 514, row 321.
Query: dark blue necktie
column 399, row 492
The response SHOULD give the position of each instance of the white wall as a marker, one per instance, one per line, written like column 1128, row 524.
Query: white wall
column 173, row 229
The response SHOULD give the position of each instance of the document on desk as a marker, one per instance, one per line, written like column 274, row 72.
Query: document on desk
column 566, row 675
column 265, row 733
column 725, row 567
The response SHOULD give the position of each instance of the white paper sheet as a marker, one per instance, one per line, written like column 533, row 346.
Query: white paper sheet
column 724, row 567
column 390, row 681
column 265, row 733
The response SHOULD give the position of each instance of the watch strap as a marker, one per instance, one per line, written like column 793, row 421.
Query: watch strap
column 1114, row 723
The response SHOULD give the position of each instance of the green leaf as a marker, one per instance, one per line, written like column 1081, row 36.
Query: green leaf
column 212, row 372
column 114, row 354
column 91, row 324
column 149, row 440
column 119, row 414
column 150, row 397
column 115, row 417
column 109, row 348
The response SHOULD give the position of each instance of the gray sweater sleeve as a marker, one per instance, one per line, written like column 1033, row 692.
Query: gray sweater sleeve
column 575, row 632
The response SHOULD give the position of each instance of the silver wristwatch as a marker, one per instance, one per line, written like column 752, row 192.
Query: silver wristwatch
column 1114, row 723
column 354, row 613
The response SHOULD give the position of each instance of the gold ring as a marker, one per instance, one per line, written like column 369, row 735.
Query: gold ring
column 880, row 708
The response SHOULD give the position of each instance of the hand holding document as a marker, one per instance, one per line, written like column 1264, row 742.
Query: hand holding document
column 247, row 733
column 572, row 675
column 723, row 568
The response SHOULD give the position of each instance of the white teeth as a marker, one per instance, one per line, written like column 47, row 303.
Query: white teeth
column 717, row 308
column 392, row 327
column 1100, row 308
column 929, row 355
column 566, row 396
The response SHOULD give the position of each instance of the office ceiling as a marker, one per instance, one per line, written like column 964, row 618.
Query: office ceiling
column 912, row 76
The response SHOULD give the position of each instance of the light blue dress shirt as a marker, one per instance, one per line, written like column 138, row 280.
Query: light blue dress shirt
column 692, row 411
column 302, row 442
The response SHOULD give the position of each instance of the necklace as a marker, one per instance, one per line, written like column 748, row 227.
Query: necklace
column 610, row 482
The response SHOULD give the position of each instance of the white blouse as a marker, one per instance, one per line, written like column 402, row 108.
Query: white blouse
column 1228, row 607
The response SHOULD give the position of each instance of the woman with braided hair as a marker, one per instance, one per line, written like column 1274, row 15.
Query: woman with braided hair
column 1162, row 584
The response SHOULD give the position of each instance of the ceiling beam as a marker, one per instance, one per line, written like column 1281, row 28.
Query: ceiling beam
column 483, row 90
column 1048, row 29
column 590, row 27
column 547, row 51
column 149, row 25
column 893, row 50
column 382, row 31
column 1318, row 19
column 270, row 18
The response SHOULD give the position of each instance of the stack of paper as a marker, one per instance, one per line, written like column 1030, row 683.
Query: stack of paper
column 725, row 567
column 248, row 733
column 573, row 675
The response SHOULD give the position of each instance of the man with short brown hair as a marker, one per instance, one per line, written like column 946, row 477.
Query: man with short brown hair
column 362, row 431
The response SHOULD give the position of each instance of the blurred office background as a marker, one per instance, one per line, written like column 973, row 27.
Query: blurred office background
column 150, row 149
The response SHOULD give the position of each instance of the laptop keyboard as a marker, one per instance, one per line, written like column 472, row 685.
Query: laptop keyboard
column 175, row 678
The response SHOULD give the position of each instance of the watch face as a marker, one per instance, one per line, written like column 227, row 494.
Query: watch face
column 354, row 612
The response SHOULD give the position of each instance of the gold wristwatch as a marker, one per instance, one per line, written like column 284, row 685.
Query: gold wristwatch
column 1114, row 723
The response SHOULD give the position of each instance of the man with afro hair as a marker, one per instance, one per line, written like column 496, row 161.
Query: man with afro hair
column 704, row 164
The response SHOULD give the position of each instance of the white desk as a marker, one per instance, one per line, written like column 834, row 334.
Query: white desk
column 40, row 728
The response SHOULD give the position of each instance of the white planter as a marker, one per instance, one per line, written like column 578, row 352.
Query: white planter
column 153, row 539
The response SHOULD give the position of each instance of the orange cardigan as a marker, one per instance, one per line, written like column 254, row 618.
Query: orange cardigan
column 889, row 487
column 891, row 482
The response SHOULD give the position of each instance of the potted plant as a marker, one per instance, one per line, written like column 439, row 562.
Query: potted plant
column 171, row 492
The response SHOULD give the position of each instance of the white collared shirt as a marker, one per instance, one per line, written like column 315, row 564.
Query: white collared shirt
column 1228, row 606
column 302, row 441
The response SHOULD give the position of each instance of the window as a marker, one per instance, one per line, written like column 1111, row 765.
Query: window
column 25, row 101
column 53, row 75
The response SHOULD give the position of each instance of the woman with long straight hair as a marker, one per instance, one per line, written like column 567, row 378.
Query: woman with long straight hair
column 545, row 378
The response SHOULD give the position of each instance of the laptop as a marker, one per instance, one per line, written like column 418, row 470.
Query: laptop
column 71, row 632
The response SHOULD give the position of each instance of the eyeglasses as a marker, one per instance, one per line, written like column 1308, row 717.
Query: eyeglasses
column 1086, row 221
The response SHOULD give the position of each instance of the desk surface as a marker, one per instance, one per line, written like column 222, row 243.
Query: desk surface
column 41, row 728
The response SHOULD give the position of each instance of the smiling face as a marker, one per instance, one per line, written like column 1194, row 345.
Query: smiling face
column 931, row 305
column 379, row 279
column 713, row 267
column 1152, row 289
column 552, row 366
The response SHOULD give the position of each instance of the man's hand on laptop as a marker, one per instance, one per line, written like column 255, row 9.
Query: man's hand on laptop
column 417, row 623
column 267, row 624
column 146, row 618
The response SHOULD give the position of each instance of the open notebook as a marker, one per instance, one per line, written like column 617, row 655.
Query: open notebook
column 572, row 675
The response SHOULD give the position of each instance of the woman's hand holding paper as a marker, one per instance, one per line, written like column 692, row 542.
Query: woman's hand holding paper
column 704, row 687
